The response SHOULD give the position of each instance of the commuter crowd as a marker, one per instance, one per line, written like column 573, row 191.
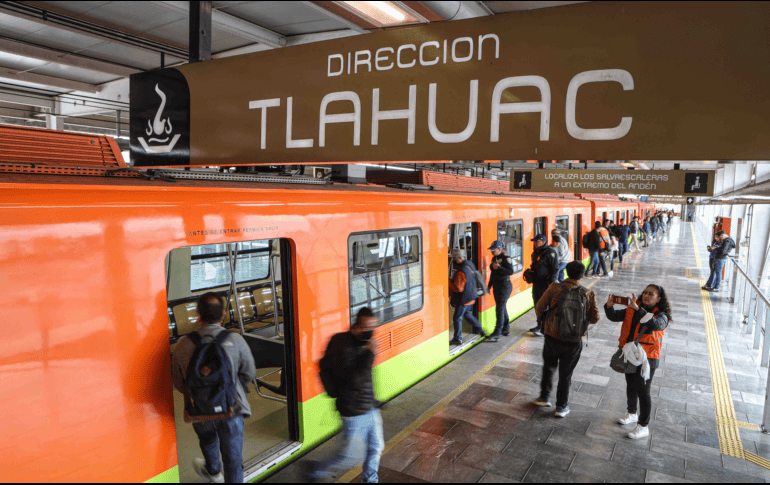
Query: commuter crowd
column 212, row 366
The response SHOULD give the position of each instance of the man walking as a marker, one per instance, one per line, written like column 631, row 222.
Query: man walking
column 462, row 295
column 623, row 232
column 346, row 373
column 573, row 307
column 222, row 435
column 726, row 244
column 500, row 284
column 635, row 234
column 545, row 267
column 598, row 243
column 646, row 229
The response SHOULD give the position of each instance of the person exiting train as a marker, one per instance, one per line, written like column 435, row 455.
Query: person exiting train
column 462, row 295
column 500, row 285
column 572, row 307
column 545, row 268
column 561, row 246
column 346, row 373
column 221, row 435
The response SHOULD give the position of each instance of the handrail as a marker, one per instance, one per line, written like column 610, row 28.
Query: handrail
column 756, row 288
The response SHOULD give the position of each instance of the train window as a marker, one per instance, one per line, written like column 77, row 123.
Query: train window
column 562, row 224
column 510, row 234
column 385, row 270
column 210, row 266
column 540, row 225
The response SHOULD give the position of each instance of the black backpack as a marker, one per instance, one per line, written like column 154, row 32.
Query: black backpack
column 570, row 317
column 211, row 390
column 587, row 240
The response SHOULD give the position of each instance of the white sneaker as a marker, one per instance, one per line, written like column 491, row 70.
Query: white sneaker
column 199, row 465
column 629, row 418
column 639, row 432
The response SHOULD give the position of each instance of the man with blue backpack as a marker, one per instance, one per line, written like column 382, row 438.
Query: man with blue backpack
column 211, row 367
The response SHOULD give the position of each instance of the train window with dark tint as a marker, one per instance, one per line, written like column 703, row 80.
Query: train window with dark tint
column 385, row 270
column 562, row 224
column 510, row 234
column 210, row 267
column 539, row 225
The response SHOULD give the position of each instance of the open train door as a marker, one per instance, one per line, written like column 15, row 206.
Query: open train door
column 253, row 279
column 465, row 236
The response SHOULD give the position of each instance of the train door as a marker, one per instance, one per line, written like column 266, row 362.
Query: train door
column 253, row 281
column 578, row 237
column 562, row 225
column 464, row 236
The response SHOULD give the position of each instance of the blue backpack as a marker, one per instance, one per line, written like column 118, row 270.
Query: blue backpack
column 210, row 387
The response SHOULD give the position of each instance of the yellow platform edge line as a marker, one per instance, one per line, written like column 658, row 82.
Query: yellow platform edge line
column 757, row 460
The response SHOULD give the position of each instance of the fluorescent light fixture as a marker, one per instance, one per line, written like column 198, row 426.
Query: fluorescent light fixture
column 388, row 167
column 383, row 14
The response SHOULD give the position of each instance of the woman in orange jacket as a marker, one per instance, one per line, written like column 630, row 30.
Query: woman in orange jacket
column 649, row 315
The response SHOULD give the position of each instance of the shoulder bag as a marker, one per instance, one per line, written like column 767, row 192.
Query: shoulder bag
column 619, row 364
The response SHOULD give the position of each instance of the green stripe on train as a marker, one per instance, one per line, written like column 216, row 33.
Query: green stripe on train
column 169, row 476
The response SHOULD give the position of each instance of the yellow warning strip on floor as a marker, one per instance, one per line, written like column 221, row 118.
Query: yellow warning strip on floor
column 729, row 437
column 350, row 475
column 757, row 460
column 751, row 426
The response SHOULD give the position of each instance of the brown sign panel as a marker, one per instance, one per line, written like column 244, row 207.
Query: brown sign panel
column 607, row 81
column 642, row 182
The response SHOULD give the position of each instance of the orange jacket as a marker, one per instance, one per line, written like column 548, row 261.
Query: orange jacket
column 651, row 341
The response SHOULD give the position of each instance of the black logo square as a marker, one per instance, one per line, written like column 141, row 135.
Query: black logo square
column 696, row 183
column 522, row 180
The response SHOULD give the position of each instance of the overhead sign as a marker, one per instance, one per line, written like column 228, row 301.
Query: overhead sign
column 647, row 182
column 596, row 80
column 657, row 199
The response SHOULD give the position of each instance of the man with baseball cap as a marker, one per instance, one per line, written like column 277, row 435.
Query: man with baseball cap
column 500, row 284
column 545, row 267
column 462, row 295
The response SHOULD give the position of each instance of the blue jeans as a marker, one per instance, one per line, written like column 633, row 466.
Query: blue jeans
column 715, row 278
column 361, row 435
column 225, row 435
column 561, row 271
column 501, row 291
column 622, row 249
column 596, row 261
column 460, row 312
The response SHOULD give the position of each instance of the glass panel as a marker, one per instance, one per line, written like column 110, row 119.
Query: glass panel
column 510, row 234
column 539, row 225
column 562, row 224
column 209, row 267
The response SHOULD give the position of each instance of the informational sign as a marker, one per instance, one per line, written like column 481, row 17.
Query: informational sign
column 658, row 199
column 647, row 182
column 596, row 80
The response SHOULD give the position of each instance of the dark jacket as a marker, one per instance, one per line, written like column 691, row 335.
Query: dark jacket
column 646, row 228
column 595, row 241
column 551, row 300
column 658, row 322
column 545, row 264
column 350, row 361
column 502, row 274
column 634, row 226
column 724, row 249
column 462, row 287
column 623, row 233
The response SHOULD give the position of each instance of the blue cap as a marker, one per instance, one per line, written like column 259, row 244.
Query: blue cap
column 496, row 245
column 539, row 237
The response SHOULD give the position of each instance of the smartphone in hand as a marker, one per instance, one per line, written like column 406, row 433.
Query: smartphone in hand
column 621, row 300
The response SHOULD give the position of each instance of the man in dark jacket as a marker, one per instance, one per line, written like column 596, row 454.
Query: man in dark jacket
column 462, row 295
column 346, row 372
column 726, row 244
column 556, row 352
column 635, row 228
column 545, row 266
column 623, row 232
column 596, row 248
column 501, row 270
column 646, row 230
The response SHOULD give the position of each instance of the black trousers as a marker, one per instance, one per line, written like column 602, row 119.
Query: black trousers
column 638, row 391
column 538, row 290
column 501, row 291
column 565, row 356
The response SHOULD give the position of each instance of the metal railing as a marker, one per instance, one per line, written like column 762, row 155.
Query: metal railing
column 758, row 316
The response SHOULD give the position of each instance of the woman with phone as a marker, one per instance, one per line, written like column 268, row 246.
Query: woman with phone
column 649, row 316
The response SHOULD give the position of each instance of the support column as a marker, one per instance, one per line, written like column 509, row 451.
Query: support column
column 53, row 122
column 200, row 31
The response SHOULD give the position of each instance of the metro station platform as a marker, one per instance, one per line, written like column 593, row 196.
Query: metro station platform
column 474, row 421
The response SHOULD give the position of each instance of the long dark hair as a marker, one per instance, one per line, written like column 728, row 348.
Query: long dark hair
column 663, row 305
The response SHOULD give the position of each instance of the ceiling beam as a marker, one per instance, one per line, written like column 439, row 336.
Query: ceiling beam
column 320, row 37
column 51, row 55
column 232, row 24
column 337, row 17
column 55, row 82
column 459, row 10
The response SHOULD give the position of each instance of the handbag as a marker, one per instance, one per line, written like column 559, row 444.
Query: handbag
column 619, row 364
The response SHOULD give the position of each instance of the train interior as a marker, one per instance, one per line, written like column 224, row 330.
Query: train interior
column 465, row 236
column 253, row 280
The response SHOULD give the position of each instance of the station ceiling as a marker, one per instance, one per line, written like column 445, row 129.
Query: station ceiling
column 72, row 59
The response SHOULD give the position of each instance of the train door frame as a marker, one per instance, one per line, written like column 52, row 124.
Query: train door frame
column 544, row 229
column 253, row 466
column 578, row 247
column 475, row 258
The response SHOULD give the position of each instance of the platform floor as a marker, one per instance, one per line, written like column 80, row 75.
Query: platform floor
column 473, row 421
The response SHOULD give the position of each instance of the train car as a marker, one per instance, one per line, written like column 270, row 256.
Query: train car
column 102, row 267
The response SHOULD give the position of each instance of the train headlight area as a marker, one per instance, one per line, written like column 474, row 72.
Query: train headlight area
column 297, row 160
